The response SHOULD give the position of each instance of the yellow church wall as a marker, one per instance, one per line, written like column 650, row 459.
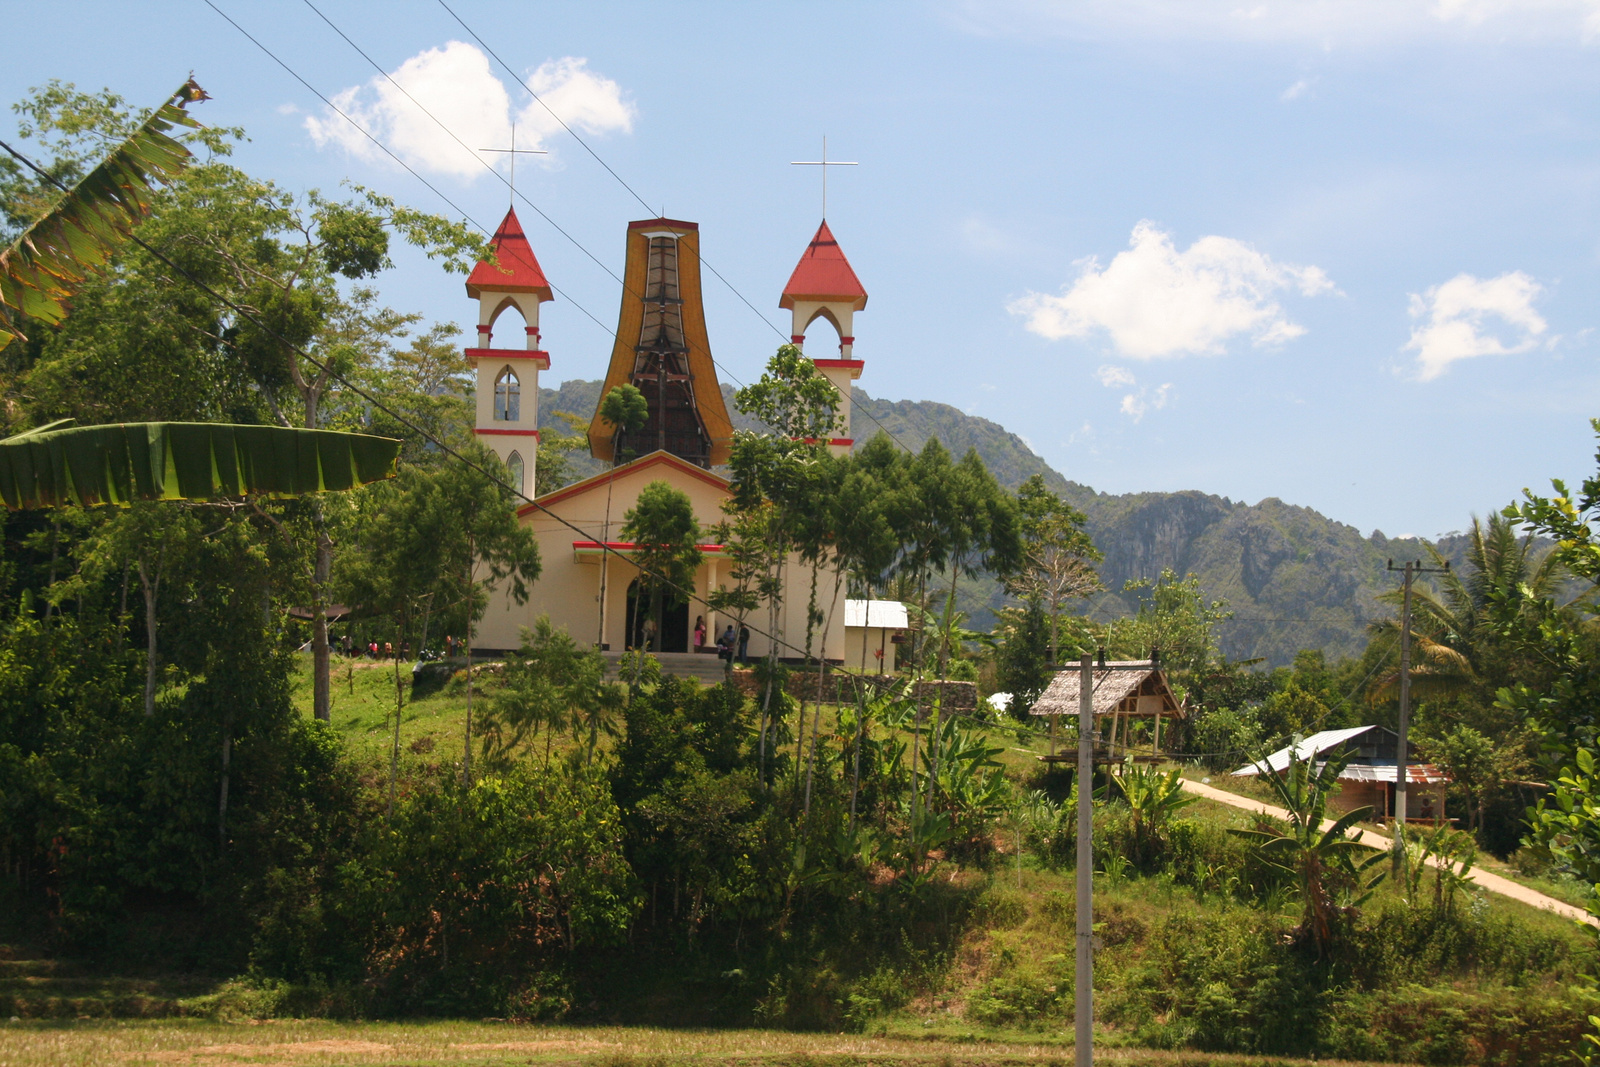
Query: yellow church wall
column 569, row 583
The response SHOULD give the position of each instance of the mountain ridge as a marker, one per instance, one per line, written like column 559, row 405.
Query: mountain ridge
column 1293, row 577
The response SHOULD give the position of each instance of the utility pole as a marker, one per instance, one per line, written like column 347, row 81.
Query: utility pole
column 1083, row 1009
column 1402, row 749
column 1083, row 1004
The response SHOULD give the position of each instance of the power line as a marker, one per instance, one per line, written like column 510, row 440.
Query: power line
column 386, row 151
column 621, row 181
column 379, row 405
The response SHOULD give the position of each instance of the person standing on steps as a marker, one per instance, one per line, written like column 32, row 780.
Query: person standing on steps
column 744, row 645
column 699, row 632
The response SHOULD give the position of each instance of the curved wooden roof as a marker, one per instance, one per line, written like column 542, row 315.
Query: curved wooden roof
column 690, row 327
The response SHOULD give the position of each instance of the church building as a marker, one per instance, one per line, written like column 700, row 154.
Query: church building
column 661, row 347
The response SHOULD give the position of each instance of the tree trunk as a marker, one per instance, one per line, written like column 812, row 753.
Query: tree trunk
column 1055, row 631
column 222, row 798
column 151, row 588
column 466, row 760
column 399, row 703
column 944, row 660
column 800, row 740
column 321, row 689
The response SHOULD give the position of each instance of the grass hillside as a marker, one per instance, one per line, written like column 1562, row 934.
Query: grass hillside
column 1191, row 959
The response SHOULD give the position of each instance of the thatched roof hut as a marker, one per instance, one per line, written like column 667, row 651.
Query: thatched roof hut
column 1133, row 693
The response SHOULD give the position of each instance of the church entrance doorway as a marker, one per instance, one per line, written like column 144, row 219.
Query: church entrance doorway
column 674, row 620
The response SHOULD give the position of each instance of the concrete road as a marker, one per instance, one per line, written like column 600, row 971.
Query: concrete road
column 1492, row 882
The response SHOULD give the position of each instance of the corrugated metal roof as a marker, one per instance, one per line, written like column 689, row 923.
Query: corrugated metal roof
column 1314, row 745
column 1416, row 773
column 889, row 614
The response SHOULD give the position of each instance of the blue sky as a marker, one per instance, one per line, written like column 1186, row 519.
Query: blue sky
column 1341, row 253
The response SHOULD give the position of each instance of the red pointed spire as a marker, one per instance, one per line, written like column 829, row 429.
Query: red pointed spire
column 516, row 256
column 824, row 274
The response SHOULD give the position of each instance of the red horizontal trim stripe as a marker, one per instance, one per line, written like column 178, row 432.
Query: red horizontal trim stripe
column 508, row 353
column 507, row 433
column 629, row 546
column 840, row 364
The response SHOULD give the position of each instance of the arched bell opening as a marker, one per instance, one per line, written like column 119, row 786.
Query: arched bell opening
column 507, row 396
column 827, row 315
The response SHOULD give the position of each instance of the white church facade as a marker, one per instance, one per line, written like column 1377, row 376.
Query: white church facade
column 661, row 347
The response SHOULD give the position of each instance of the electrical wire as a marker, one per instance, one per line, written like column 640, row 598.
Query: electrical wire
column 378, row 405
column 608, row 168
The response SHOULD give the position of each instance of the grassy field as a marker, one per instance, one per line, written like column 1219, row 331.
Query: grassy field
column 301, row 1042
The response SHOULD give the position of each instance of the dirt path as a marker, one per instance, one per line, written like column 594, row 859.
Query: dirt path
column 1492, row 882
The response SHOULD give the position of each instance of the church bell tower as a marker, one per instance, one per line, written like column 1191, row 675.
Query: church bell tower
column 823, row 286
column 508, row 378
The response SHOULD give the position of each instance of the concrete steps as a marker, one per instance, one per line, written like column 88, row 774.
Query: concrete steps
column 708, row 669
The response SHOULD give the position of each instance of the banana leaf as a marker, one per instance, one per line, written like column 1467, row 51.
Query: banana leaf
column 117, row 464
column 55, row 255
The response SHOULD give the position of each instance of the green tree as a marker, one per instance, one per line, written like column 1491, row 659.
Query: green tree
column 625, row 409
column 785, row 469
column 490, row 548
column 550, row 684
column 665, row 536
column 143, row 345
column 1024, row 656
column 480, row 898
column 1057, row 555
column 1175, row 618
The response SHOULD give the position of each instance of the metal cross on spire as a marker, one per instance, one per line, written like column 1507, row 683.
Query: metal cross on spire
column 824, row 163
column 514, row 152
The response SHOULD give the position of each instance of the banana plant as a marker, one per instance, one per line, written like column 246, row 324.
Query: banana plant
column 57, row 464
column 1324, row 864
column 52, row 258
column 1152, row 798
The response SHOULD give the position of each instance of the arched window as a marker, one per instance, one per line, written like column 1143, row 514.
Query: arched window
column 507, row 397
column 514, row 468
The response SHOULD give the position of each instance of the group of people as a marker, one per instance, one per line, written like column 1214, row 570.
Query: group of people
column 729, row 645
column 372, row 649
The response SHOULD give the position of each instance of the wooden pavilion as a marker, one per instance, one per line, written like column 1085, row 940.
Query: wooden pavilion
column 1122, row 693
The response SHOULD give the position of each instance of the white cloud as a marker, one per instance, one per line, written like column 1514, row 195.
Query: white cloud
column 1295, row 91
column 1455, row 314
column 457, row 85
column 1155, row 301
column 1111, row 377
column 1134, row 405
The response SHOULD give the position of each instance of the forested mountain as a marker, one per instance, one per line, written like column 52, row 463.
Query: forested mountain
column 1293, row 577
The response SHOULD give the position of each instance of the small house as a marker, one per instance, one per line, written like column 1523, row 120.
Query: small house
column 1369, row 776
column 872, row 631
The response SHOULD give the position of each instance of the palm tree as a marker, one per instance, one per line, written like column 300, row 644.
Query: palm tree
column 1460, row 631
